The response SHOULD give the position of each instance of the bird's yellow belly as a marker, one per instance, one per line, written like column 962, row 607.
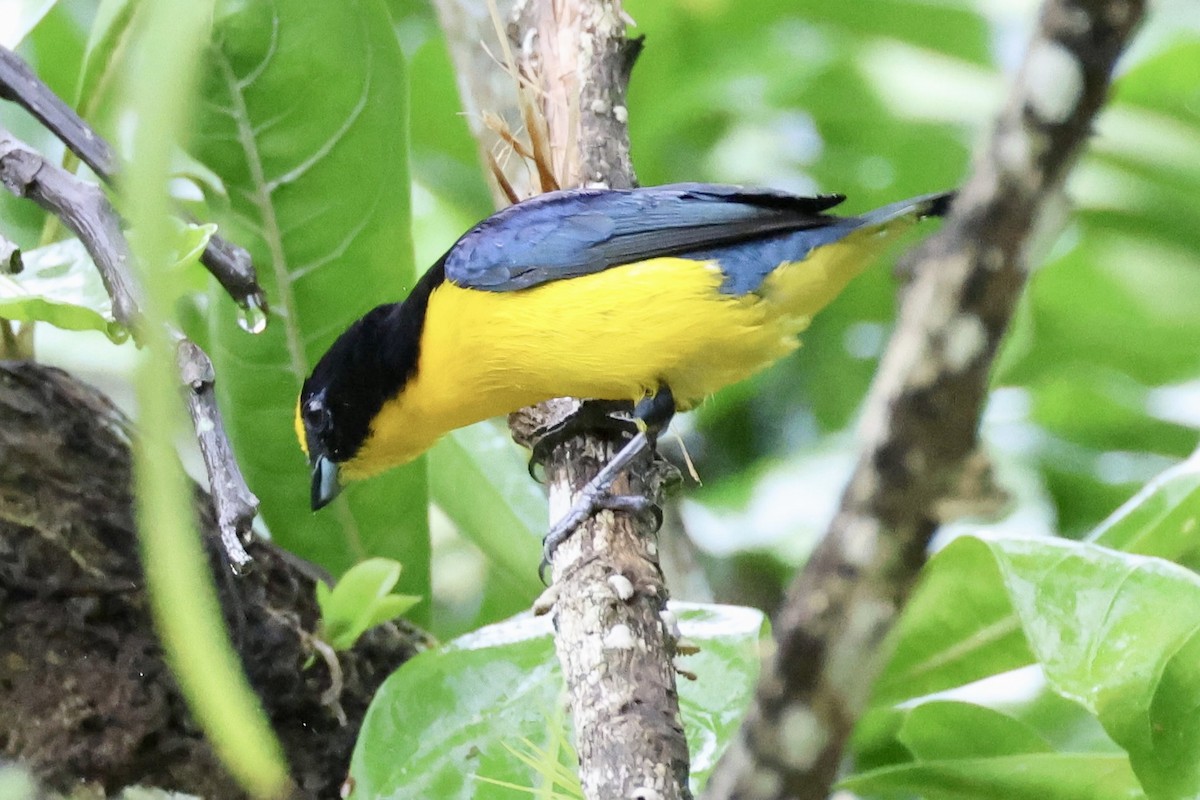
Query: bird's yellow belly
column 617, row 334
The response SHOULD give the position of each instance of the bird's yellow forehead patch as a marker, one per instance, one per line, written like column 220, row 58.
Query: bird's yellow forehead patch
column 300, row 433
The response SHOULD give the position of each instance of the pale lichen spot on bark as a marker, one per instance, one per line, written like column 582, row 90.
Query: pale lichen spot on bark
column 815, row 603
column 915, row 460
column 1014, row 152
column 619, row 638
column 765, row 782
column 1076, row 21
column 859, row 542
column 966, row 338
column 869, row 619
column 670, row 623
column 993, row 259
column 1118, row 13
column 802, row 736
column 622, row 587
column 1058, row 88
column 621, row 114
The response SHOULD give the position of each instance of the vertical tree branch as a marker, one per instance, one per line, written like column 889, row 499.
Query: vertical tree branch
column 615, row 645
column 922, row 414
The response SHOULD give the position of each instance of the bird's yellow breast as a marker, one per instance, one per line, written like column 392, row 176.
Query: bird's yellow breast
column 616, row 334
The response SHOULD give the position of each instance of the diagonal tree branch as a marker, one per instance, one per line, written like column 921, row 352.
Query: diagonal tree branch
column 922, row 414
column 85, row 210
column 228, row 263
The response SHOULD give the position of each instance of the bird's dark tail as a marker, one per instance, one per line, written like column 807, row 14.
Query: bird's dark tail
column 927, row 205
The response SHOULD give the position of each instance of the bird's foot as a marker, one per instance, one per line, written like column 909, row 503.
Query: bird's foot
column 592, row 416
column 595, row 496
column 587, row 504
column 652, row 415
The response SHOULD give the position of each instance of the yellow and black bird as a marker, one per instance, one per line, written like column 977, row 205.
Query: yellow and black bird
column 660, row 295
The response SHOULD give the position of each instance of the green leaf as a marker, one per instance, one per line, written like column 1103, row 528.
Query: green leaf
column 959, row 627
column 60, row 285
column 1105, row 410
column 445, row 724
column 933, row 731
column 1035, row 776
column 390, row 607
column 361, row 600
column 1161, row 520
column 1120, row 634
column 955, row 749
column 319, row 193
column 104, row 57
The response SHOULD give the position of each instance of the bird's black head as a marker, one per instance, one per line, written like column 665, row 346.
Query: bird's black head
column 369, row 364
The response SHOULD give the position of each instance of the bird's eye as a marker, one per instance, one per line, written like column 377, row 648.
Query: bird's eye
column 316, row 416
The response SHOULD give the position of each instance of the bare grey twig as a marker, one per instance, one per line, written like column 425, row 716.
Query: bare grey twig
column 85, row 210
column 235, row 504
column 920, row 426
column 228, row 263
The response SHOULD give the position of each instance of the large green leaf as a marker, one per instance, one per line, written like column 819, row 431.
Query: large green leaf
column 305, row 122
column 1162, row 519
column 451, row 723
column 961, row 627
column 961, row 750
column 1035, row 776
column 61, row 285
column 1120, row 634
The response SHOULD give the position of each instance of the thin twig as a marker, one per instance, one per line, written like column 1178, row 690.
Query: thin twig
column 85, row 210
column 920, row 426
column 235, row 504
column 228, row 263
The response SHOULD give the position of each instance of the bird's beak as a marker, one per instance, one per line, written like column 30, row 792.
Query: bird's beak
column 325, row 484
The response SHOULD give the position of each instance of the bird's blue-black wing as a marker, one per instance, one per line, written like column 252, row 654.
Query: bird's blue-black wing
column 577, row 232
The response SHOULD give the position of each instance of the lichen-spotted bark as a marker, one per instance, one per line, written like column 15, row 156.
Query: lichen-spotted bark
column 919, row 429
column 615, row 647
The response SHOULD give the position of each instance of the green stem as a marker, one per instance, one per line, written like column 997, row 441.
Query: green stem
column 184, row 601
